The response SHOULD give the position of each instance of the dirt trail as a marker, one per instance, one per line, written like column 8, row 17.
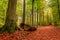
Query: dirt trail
column 42, row 33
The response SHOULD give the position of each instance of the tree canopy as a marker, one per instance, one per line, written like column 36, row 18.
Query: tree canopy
column 48, row 11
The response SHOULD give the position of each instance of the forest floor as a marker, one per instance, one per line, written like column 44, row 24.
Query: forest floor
column 42, row 33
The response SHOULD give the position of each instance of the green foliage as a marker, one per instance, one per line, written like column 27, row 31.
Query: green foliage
column 3, row 9
column 38, row 4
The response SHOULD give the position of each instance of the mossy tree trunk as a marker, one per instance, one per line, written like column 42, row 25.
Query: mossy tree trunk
column 10, row 23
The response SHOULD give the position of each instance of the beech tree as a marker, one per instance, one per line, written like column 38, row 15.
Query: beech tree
column 10, row 22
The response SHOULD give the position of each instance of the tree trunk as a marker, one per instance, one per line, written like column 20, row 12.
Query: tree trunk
column 10, row 23
column 23, row 12
column 58, row 7
column 32, row 10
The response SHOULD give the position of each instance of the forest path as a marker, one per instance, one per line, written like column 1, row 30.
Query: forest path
column 45, row 33
column 42, row 33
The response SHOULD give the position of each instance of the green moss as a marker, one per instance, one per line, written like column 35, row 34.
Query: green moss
column 2, row 29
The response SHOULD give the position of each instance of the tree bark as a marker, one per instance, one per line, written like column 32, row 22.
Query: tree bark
column 32, row 10
column 58, row 7
column 10, row 22
column 23, row 12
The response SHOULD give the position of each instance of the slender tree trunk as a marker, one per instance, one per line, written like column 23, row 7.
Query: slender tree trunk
column 23, row 12
column 32, row 10
column 10, row 23
column 58, row 7
column 37, row 16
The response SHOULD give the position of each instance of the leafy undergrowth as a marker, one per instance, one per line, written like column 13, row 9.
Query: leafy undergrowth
column 42, row 33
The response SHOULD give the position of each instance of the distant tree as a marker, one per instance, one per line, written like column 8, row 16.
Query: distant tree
column 32, row 10
column 54, row 4
column 23, row 11
column 58, row 7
